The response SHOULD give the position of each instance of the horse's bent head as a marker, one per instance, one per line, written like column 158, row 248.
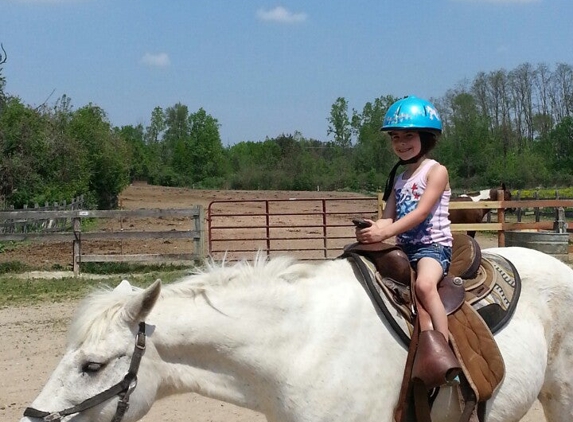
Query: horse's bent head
column 100, row 353
column 494, row 195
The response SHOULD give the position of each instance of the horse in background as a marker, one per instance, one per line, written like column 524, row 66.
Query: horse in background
column 461, row 216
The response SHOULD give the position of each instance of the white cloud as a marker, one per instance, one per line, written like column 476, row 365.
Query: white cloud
column 281, row 15
column 156, row 60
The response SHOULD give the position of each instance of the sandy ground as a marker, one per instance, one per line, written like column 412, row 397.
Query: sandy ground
column 33, row 341
column 33, row 337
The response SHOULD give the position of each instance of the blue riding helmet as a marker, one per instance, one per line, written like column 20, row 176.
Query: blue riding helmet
column 412, row 113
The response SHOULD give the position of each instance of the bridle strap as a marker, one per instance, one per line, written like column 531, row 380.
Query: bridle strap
column 124, row 388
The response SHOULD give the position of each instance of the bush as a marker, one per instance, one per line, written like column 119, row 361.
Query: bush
column 13, row 267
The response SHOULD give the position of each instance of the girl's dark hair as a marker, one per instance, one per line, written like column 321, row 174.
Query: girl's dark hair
column 428, row 141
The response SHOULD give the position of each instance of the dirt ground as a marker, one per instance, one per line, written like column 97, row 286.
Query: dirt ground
column 33, row 337
column 249, row 204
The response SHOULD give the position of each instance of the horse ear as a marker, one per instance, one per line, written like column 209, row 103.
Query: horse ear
column 140, row 305
column 123, row 287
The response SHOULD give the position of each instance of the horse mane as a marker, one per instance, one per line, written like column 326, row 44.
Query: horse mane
column 103, row 306
column 262, row 269
column 95, row 312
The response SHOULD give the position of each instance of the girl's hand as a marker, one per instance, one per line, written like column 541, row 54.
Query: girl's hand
column 372, row 234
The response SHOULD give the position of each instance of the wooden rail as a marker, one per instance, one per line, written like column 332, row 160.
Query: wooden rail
column 75, row 234
column 18, row 225
column 501, row 226
column 196, row 231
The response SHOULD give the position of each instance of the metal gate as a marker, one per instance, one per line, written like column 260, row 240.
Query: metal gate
column 306, row 228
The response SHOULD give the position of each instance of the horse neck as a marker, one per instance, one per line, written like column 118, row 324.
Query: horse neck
column 484, row 195
column 249, row 344
column 245, row 332
column 217, row 330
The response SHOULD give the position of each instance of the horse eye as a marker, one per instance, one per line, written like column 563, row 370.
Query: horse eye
column 92, row 367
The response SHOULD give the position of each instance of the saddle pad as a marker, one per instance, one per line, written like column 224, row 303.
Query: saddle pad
column 495, row 304
column 477, row 351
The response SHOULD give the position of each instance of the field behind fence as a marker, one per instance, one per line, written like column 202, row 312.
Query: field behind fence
column 129, row 236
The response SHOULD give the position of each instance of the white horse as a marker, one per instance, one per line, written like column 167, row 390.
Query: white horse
column 299, row 342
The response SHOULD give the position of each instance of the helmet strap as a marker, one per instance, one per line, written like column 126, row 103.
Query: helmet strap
column 390, row 181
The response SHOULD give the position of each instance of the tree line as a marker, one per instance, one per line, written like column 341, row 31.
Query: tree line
column 512, row 126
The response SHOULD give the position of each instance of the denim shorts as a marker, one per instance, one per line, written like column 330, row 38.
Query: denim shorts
column 441, row 253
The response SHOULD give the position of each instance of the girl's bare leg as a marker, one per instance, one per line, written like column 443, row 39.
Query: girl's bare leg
column 429, row 275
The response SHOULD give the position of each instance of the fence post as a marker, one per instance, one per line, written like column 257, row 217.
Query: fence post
column 501, row 219
column 324, row 229
column 200, row 228
column 519, row 211
column 559, row 216
column 61, row 222
column 560, row 225
column 77, row 245
column 37, row 224
column 536, row 209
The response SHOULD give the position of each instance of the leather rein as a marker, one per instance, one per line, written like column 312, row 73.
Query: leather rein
column 123, row 389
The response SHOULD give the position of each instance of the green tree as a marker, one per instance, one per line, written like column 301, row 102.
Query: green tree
column 339, row 123
column 251, row 164
column 168, row 138
column 373, row 154
column 558, row 147
column 155, row 147
column 24, row 152
column 154, row 131
column 68, row 160
column 107, row 151
column 205, row 149
column 466, row 146
column 176, row 133
column 3, row 58
column 139, row 152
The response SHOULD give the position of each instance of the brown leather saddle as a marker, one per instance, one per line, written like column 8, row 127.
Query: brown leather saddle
column 480, row 293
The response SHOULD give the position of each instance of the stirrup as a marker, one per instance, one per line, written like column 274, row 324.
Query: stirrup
column 435, row 363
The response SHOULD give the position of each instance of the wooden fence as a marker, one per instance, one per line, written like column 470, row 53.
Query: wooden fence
column 19, row 225
column 76, row 235
column 196, row 231
column 539, row 212
column 558, row 223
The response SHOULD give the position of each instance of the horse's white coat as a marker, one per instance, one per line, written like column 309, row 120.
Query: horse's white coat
column 483, row 195
column 299, row 343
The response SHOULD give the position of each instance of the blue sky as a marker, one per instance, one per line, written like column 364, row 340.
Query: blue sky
column 263, row 68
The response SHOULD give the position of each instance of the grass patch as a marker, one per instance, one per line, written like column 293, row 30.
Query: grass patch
column 10, row 245
column 13, row 267
column 125, row 267
column 19, row 289
column 543, row 193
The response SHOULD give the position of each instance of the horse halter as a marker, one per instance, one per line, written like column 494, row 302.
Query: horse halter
column 123, row 389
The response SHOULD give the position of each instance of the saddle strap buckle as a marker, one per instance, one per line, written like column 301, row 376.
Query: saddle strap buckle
column 53, row 417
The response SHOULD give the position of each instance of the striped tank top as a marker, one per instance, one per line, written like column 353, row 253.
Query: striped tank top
column 436, row 227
